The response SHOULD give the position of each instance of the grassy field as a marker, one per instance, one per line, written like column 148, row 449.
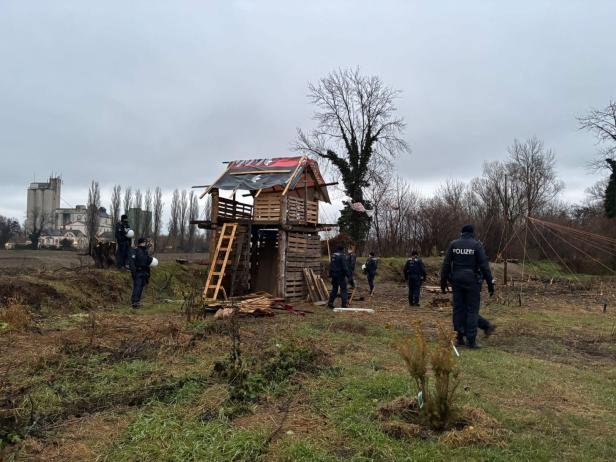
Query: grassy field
column 85, row 378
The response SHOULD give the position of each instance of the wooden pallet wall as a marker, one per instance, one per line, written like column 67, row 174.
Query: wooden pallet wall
column 303, row 251
column 267, row 207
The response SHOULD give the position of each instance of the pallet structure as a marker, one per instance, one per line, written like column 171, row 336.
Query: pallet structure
column 266, row 245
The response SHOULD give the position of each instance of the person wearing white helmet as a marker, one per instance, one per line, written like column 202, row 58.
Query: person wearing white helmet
column 140, row 263
column 123, row 235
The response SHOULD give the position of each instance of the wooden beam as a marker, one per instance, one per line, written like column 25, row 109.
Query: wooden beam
column 260, row 172
column 292, row 177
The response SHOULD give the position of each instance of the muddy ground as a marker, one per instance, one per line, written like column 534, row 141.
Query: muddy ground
column 86, row 378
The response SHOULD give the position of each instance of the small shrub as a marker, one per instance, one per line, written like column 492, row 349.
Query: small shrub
column 15, row 314
column 436, row 402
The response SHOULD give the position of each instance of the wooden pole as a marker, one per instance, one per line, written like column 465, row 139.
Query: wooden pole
column 506, row 233
column 282, row 263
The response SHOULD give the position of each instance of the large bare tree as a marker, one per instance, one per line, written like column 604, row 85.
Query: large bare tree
column 533, row 168
column 183, row 219
column 158, row 216
column 602, row 123
column 128, row 199
column 357, row 131
column 116, row 200
column 193, row 215
column 174, row 218
column 93, row 214
column 147, row 223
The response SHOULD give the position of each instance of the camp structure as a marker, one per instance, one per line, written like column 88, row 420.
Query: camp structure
column 264, row 246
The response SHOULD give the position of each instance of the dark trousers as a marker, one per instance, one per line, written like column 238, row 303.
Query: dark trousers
column 466, row 300
column 122, row 254
column 140, row 280
column 371, row 277
column 339, row 283
column 414, row 290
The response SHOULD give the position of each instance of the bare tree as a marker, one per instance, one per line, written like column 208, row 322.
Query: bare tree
column 183, row 219
column 174, row 218
column 357, row 131
column 36, row 222
column 116, row 199
column 137, row 205
column 158, row 216
column 147, row 224
column 128, row 199
column 192, row 215
column 602, row 122
column 93, row 214
column 533, row 168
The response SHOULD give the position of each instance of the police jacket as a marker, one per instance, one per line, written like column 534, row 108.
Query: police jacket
column 121, row 228
column 414, row 269
column 339, row 265
column 371, row 265
column 465, row 262
column 140, row 260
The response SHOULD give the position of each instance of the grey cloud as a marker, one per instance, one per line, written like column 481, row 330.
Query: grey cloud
column 149, row 93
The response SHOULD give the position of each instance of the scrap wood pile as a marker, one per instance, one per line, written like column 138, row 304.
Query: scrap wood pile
column 317, row 290
column 256, row 304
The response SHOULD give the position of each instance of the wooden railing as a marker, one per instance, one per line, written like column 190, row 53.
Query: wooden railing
column 232, row 210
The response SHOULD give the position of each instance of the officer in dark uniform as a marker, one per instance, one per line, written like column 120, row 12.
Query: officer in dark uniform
column 351, row 261
column 140, row 268
column 339, row 272
column 370, row 270
column 414, row 274
column 123, row 242
column 466, row 266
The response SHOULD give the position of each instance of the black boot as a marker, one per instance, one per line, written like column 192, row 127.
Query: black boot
column 489, row 330
column 460, row 340
column 472, row 344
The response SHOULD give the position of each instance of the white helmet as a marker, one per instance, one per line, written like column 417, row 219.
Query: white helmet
column 154, row 263
column 130, row 233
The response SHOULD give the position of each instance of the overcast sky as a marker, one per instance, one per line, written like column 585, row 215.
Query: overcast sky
column 153, row 93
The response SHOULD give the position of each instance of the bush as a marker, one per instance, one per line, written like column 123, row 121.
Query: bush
column 437, row 402
column 15, row 314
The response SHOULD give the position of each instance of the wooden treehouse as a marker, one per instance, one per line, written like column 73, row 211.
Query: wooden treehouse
column 264, row 246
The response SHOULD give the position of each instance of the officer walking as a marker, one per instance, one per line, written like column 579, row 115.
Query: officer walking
column 339, row 272
column 414, row 274
column 140, row 263
column 123, row 241
column 466, row 266
column 370, row 269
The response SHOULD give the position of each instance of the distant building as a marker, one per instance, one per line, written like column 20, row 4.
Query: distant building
column 76, row 218
column 43, row 199
column 54, row 238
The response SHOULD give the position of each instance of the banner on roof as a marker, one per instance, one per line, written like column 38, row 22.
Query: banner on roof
column 254, row 174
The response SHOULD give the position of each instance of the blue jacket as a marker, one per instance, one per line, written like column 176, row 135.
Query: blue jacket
column 339, row 265
column 465, row 262
column 139, row 260
column 414, row 269
column 371, row 265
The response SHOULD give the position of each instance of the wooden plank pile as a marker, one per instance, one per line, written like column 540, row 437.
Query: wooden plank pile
column 317, row 290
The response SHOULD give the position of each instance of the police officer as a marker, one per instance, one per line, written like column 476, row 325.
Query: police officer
column 339, row 272
column 123, row 242
column 370, row 269
column 414, row 274
column 140, row 263
column 466, row 266
column 352, row 261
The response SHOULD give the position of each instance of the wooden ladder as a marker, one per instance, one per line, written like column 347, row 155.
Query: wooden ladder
column 220, row 259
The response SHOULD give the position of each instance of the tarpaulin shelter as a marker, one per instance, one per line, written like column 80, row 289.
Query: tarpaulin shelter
column 265, row 246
